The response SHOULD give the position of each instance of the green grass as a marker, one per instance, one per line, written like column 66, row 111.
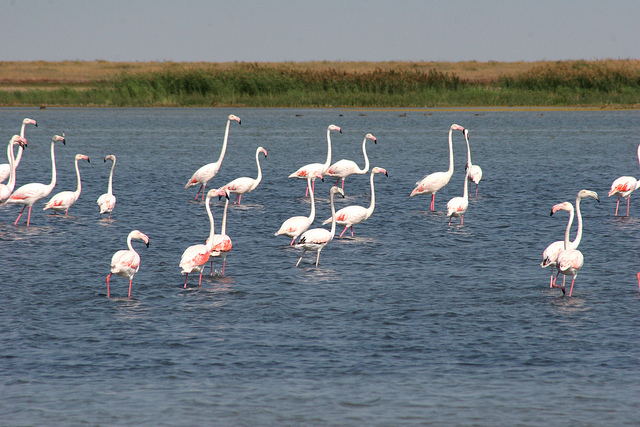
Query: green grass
column 555, row 84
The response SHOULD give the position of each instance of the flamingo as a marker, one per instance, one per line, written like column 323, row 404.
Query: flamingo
column 7, row 189
column 65, row 199
column 434, row 182
column 569, row 261
column 475, row 171
column 352, row 215
column 207, row 172
column 296, row 225
column 221, row 245
column 126, row 263
column 343, row 168
column 458, row 205
column 550, row 254
column 28, row 194
column 107, row 201
column 5, row 168
column 317, row 238
column 321, row 168
column 245, row 184
column 195, row 257
column 623, row 187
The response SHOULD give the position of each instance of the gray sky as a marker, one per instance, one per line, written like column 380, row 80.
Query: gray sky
column 332, row 30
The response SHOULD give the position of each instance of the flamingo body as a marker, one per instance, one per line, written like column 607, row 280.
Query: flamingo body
column 5, row 168
column 296, row 225
column 457, row 206
column 62, row 201
column 245, row 184
column 220, row 245
column 313, row 169
column 126, row 263
column 623, row 187
column 107, row 201
column 475, row 171
column 7, row 189
column 203, row 175
column 344, row 168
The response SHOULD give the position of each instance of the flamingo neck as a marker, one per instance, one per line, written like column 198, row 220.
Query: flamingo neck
column 366, row 158
column 373, row 196
column 211, row 223
column 468, row 151
column 576, row 241
column 312, row 215
column 223, row 230
column 333, row 217
column 568, row 230
column 79, row 187
column 224, row 142
column 450, row 171
column 110, row 187
column 20, row 148
column 465, row 194
column 638, row 159
column 129, row 245
column 12, row 167
column 328, row 162
column 53, row 166
column 259, row 178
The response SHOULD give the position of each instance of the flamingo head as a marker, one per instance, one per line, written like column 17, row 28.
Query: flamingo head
column 335, row 190
column 457, row 127
column 18, row 140
column 564, row 206
column 317, row 175
column 334, row 127
column 110, row 157
column 57, row 138
column 371, row 137
column 588, row 193
column 466, row 134
column 28, row 121
column 262, row 150
column 379, row 170
column 138, row 235
column 236, row 118
column 82, row 157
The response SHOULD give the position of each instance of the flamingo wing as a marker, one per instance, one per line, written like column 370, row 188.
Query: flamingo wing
column 550, row 255
column 342, row 168
column 294, row 226
column 29, row 193
column 350, row 215
column 125, row 263
column 107, row 203
column 61, row 201
column 240, row 185
column 623, row 186
column 194, row 258
column 308, row 170
column 315, row 237
column 431, row 183
column 204, row 174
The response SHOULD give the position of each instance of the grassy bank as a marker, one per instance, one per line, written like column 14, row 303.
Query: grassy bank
column 601, row 84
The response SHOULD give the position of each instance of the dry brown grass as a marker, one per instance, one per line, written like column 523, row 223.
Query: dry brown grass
column 79, row 73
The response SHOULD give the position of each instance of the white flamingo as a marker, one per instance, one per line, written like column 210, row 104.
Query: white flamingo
column 221, row 245
column 550, row 254
column 62, row 201
column 126, row 263
column 5, row 168
column 475, row 171
column 207, row 172
column 623, row 187
column 311, row 168
column 7, row 189
column 344, row 168
column 195, row 257
column 245, row 184
column 107, row 201
column 296, row 225
column 458, row 205
column 317, row 238
column 569, row 261
column 353, row 215
column 28, row 194
column 434, row 182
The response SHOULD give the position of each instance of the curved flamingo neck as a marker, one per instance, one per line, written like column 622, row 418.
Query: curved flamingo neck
column 468, row 151
column 576, row 241
column 129, row 245
column 450, row 170
column 333, row 217
column 20, row 148
column 465, row 194
column 211, row 222
column 110, row 187
column 79, row 187
column 259, row 178
column 53, row 166
column 224, row 143
column 223, row 230
column 328, row 162
column 366, row 158
column 312, row 215
column 12, row 167
column 568, row 230
column 372, row 205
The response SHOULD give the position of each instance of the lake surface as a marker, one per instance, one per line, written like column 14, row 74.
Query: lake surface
column 412, row 321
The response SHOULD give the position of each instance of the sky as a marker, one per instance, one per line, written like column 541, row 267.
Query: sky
column 318, row 30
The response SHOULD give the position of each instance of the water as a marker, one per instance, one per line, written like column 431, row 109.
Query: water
column 411, row 321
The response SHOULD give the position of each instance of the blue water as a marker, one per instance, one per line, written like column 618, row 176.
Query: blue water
column 412, row 321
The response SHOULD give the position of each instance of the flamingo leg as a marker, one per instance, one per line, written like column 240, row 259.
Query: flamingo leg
column 450, row 220
column 343, row 183
column 185, row 280
column 211, row 265
column 571, row 289
column 198, row 193
column 345, row 229
column 313, row 186
column 337, row 181
column 224, row 261
column 292, row 241
column 551, row 280
column 109, row 294
column 200, row 280
column 303, row 252
column 628, row 198
column 461, row 219
column 618, row 203
column 306, row 193
column 130, row 280
column 476, row 190
column 433, row 202
column 29, row 216
column 352, row 231
column 238, row 199
column 318, row 258
column 18, row 219
column 556, row 286
column 639, row 281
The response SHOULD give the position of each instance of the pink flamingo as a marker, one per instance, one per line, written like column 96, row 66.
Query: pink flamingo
column 5, row 168
column 221, row 245
column 107, row 201
column 312, row 168
column 28, row 194
column 475, row 171
column 458, row 205
column 207, row 172
column 353, row 215
column 6, row 190
column 296, row 225
column 195, row 257
column 623, row 187
column 344, row 168
column 317, row 238
column 569, row 261
column 126, row 263
column 434, row 182
column 245, row 184
column 550, row 254
column 62, row 201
